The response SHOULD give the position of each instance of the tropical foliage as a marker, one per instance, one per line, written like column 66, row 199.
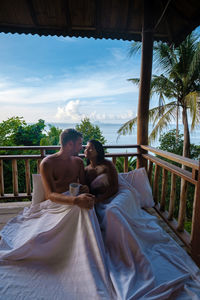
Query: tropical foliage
column 120, row 164
column 90, row 131
column 16, row 132
column 179, row 84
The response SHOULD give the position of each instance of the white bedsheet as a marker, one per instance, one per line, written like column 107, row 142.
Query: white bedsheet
column 53, row 251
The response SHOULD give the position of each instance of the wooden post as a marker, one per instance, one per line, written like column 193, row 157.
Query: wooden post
column 1, row 178
column 145, row 80
column 163, row 193
column 114, row 160
column 38, row 165
column 28, row 176
column 182, row 208
column 172, row 197
column 155, row 184
column 195, row 235
column 150, row 172
column 125, row 164
column 15, row 177
column 42, row 153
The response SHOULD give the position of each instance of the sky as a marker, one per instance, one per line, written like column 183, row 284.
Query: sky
column 67, row 79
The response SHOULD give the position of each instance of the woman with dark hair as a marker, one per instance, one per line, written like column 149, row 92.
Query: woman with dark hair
column 101, row 174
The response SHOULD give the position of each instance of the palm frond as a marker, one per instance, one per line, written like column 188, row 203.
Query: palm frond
column 164, row 57
column 154, row 113
column 127, row 128
column 193, row 106
column 162, row 123
column 163, row 85
column 134, row 48
column 194, row 65
column 135, row 81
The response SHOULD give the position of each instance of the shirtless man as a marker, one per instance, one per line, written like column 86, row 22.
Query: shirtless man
column 62, row 168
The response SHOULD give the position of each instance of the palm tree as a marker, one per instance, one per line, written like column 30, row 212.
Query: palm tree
column 179, row 83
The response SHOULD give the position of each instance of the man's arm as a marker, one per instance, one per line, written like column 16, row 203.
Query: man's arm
column 83, row 200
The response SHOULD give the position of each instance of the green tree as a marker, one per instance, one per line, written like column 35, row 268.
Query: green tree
column 90, row 131
column 29, row 135
column 8, row 130
column 173, row 142
column 180, row 82
column 14, row 132
column 52, row 137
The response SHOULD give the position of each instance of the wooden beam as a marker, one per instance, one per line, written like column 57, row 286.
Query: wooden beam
column 171, row 168
column 65, row 5
column 32, row 12
column 145, row 80
column 98, row 16
column 191, row 163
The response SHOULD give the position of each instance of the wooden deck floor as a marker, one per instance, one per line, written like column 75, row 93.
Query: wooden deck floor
column 10, row 210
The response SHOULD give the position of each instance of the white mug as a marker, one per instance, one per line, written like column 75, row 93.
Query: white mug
column 74, row 188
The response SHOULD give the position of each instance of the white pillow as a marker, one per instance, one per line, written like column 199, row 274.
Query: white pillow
column 138, row 179
column 38, row 189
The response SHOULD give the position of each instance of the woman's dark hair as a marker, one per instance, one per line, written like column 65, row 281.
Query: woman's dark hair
column 100, row 150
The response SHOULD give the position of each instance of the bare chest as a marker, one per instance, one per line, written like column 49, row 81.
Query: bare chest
column 65, row 173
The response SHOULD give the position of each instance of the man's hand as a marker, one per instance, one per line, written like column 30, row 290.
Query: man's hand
column 83, row 189
column 85, row 201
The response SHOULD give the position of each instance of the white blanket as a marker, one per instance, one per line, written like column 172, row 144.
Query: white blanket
column 53, row 251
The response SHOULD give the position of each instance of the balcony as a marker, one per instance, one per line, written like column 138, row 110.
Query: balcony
column 162, row 175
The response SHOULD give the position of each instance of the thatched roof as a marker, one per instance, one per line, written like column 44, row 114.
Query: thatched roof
column 115, row 19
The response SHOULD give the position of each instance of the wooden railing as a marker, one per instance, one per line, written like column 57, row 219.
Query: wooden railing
column 16, row 158
column 189, row 175
column 158, row 180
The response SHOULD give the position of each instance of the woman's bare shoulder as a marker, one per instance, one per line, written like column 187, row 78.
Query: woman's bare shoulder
column 109, row 163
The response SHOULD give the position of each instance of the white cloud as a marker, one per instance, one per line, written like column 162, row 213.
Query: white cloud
column 72, row 112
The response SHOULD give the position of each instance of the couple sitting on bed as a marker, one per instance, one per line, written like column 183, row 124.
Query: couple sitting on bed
column 99, row 180
column 51, row 251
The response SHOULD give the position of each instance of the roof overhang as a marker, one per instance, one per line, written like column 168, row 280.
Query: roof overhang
column 173, row 20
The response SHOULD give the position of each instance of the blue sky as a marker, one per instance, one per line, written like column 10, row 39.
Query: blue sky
column 66, row 79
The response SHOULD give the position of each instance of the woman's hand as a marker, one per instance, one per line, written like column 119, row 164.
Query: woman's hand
column 83, row 189
column 85, row 201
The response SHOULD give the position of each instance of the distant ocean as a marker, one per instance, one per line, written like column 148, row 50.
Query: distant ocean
column 109, row 131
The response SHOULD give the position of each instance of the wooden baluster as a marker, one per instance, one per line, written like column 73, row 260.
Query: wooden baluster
column 38, row 165
column 150, row 169
column 125, row 164
column 172, row 197
column 195, row 236
column 28, row 176
column 155, row 186
column 163, row 193
column 114, row 160
column 1, row 178
column 194, row 174
column 42, row 153
column 15, row 177
column 182, row 208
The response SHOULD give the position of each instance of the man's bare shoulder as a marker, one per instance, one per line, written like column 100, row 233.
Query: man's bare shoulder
column 77, row 160
column 49, row 159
